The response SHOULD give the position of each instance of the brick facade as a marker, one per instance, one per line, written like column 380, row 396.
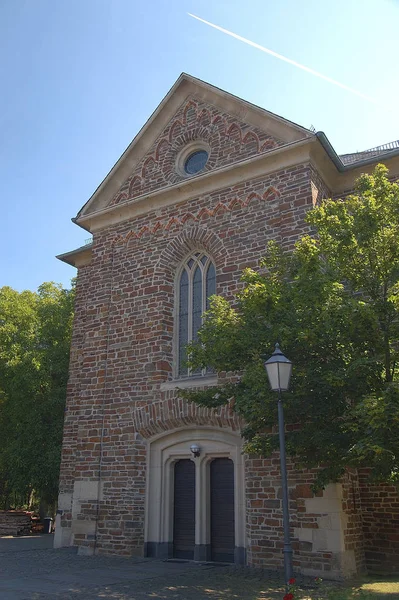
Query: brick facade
column 229, row 140
column 122, row 393
column 380, row 521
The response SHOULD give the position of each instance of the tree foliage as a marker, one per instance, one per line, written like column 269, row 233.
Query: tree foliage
column 333, row 305
column 35, row 331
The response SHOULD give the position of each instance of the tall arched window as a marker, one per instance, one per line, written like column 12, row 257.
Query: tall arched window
column 197, row 282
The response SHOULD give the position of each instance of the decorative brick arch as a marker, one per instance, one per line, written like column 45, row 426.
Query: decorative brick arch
column 268, row 145
column 190, row 239
column 176, row 128
column 134, row 185
column 190, row 220
column 191, row 105
column 202, row 126
column 148, row 166
column 120, row 197
column 235, row 129
column 178, row 140
column 221, row 123
column 161, row 149
column 204, row 117
column 251, row 137
column 159, row 417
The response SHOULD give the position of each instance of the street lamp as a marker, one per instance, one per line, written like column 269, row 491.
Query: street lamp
column 278, row 369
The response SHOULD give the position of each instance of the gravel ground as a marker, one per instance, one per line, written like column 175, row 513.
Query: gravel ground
column 44, row 574
column 62, row 575
column 48, row 574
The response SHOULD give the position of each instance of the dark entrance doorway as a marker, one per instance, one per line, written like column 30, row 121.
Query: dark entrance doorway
column 184, row 510
column 222, row 510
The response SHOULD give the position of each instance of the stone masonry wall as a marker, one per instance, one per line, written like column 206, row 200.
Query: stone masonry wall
column 122, row 355
column 122, row 361
column 325, row 533
column 380, row 515
column 353, row 523
column 122, row 350
column 227, row 138
column 69, row 456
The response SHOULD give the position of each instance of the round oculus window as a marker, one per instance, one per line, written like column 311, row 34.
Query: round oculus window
column 196, row 162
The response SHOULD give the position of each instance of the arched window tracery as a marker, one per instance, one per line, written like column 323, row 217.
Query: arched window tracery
column 196, row 283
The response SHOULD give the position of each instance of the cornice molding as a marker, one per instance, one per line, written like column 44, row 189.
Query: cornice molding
column 265, row 164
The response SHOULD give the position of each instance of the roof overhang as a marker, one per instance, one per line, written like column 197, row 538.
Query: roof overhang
column 258, row 166
column 344, row 176
column 77, row 258
column 316, row 150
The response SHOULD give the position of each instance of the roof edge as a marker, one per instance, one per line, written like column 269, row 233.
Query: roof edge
column 196, row 185
column 72, row 257
column 201, row 84
column 136, row 137
column 341, row 166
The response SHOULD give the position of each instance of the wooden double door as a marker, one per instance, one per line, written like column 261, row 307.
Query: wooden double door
column 220, row 510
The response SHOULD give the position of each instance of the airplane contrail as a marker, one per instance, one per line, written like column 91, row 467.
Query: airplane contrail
column 285, row 59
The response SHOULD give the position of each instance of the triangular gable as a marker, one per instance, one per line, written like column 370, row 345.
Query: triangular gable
column 227, row 138
column 192, row 112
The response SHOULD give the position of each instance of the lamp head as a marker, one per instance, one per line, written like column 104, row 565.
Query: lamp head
column 278, row 369
column 195, row 449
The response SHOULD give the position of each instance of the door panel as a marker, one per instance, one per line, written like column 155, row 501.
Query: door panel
column 184, row 510
column 222, row 510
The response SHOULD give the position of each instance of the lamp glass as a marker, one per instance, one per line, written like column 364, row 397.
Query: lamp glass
column 278, row 369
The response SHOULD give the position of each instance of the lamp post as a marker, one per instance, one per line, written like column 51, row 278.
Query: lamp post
column 278, row 369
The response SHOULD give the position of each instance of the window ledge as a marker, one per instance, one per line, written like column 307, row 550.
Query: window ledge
column 189, row 382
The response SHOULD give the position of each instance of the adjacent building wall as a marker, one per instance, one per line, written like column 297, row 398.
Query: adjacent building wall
column 325, row 533
column 380, row 514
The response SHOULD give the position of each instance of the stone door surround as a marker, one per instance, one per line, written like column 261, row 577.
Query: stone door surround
column 164, row 451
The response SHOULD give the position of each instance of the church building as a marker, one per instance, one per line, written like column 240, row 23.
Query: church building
column 205, row 184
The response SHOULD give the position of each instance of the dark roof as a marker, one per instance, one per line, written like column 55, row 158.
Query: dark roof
column 355, row 157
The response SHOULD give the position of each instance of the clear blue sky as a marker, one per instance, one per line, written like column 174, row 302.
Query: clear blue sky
column 80, row 77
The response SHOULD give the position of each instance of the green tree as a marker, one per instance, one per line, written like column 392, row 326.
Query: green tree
column 333, row 304
column 35, row 331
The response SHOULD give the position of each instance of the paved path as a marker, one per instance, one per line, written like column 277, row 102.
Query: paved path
column 26, row 542
column 28, row 573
